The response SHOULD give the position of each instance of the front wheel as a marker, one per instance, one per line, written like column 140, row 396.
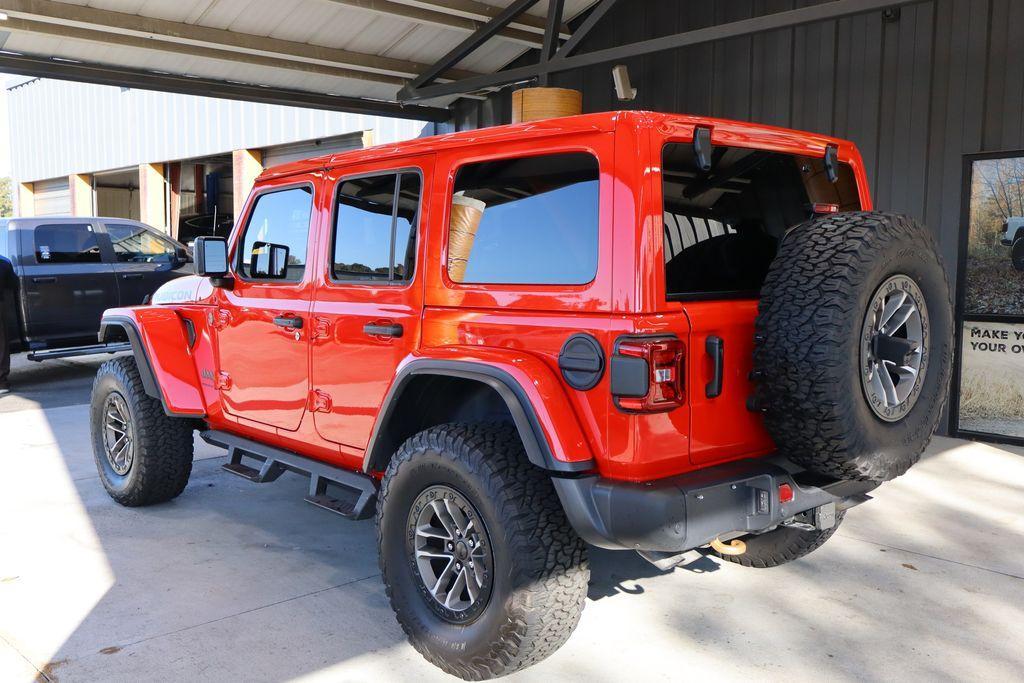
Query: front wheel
column 483, row 570
column 143, row 456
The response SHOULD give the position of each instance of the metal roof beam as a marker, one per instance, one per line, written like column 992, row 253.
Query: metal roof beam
column 472, row 42
column 41, row 67
column 119, row 27
column 484, row 12
column 460, row 15
column 835, row 9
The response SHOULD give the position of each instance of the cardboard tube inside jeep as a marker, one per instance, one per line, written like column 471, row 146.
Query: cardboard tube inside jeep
column 466, row 215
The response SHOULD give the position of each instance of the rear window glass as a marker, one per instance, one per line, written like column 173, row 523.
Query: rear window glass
column 531, row 220
column 723, row 226
column 66, row 243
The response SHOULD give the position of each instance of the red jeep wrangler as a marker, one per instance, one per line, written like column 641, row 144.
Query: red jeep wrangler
column 634, row 330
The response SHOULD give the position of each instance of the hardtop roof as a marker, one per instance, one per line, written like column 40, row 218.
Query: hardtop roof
column 772, row 136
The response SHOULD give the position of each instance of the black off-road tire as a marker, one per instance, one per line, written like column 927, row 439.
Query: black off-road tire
column 540, row 571
column 808, row 343
column 163, row 445
column 1017, row 253
column 781, row 545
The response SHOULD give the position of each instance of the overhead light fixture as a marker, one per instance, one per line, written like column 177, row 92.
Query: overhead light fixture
column 623, row 89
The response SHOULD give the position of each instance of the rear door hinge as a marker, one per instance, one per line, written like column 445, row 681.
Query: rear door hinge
column 319, row 401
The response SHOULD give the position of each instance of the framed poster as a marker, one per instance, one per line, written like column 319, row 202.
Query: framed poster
column 987, row 402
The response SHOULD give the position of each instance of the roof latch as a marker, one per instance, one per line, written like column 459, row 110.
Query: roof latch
column 702, row 148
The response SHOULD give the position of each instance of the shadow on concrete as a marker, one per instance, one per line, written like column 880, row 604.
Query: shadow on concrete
column 234, row 579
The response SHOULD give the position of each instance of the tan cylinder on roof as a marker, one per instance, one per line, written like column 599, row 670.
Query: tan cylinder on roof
column 466, row 215
column 533, row 104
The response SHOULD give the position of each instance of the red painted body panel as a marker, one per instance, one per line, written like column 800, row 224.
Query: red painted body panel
column 519, row 329
column 162, row 331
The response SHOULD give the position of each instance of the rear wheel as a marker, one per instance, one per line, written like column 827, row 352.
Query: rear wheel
column 1017, row 253
column 781, row 545
column 483, row 570
column 143, row 456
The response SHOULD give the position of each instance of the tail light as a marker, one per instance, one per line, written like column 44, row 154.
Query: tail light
column 647, row 374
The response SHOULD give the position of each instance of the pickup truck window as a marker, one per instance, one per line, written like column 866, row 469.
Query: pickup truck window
column 375, row 236
column 135, row 244
column 281, row 218
column 66, row 243
column 540, row 223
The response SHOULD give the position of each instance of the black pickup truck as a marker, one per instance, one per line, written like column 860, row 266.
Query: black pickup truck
column 60, row 273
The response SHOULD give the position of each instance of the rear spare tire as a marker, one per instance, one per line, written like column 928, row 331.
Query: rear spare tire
column 853, row 345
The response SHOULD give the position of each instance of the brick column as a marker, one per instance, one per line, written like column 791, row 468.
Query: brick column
column 81, row 194
column 246, row 164
column 26, row 200
column 152, row 197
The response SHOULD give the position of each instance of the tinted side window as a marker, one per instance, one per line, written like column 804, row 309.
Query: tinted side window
column 66, row 243
column 539, row 222
column 280, row 218
column 375, row 236
column 135, row 244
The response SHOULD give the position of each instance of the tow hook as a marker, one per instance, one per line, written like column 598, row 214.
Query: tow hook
column 734, row 547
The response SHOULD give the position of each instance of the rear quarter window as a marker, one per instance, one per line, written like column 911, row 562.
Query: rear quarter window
column 66, row 243
column 539, row 222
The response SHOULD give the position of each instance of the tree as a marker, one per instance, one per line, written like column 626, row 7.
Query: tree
column 6, row 198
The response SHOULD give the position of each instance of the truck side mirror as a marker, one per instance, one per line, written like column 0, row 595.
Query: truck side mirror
column 210, row 255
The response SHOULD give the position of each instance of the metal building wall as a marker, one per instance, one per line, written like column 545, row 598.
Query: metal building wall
column 944, row 79
column 60, row 127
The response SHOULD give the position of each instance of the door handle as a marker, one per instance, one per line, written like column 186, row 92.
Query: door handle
column 715, row 347
column 131, row 276
column 44, row 280
column 386, row 330
column 286, row 321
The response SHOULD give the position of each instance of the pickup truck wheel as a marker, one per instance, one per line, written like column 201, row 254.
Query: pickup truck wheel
column 483, row 570
column 142, row 455
column 853, row 345
column 781, row 545
column 1017, row 253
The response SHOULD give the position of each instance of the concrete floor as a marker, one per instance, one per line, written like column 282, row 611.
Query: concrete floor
column 241, row 581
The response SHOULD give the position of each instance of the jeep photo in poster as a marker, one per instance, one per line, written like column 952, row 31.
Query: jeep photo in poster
column 989, row 398
column 994, row 277
column 992, row 379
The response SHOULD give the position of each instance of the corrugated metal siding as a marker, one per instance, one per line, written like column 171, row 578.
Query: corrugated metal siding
column 282, row 154
column 52, row 197
column 59, row 128
column 915, row 94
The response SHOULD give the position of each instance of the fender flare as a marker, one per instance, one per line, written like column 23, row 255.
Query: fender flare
column 538, row 450
column 142, row 360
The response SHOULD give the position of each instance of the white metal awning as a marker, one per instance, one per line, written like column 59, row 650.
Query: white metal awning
column 355, row 54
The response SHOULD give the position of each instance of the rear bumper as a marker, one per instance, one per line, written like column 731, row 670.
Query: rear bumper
column 691, row 510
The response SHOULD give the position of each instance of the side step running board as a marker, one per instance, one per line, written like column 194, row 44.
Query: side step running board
column 361, row 489
column 52, row 354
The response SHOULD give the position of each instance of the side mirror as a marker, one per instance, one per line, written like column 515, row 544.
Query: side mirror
column 269, row 261
column 211, row 259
